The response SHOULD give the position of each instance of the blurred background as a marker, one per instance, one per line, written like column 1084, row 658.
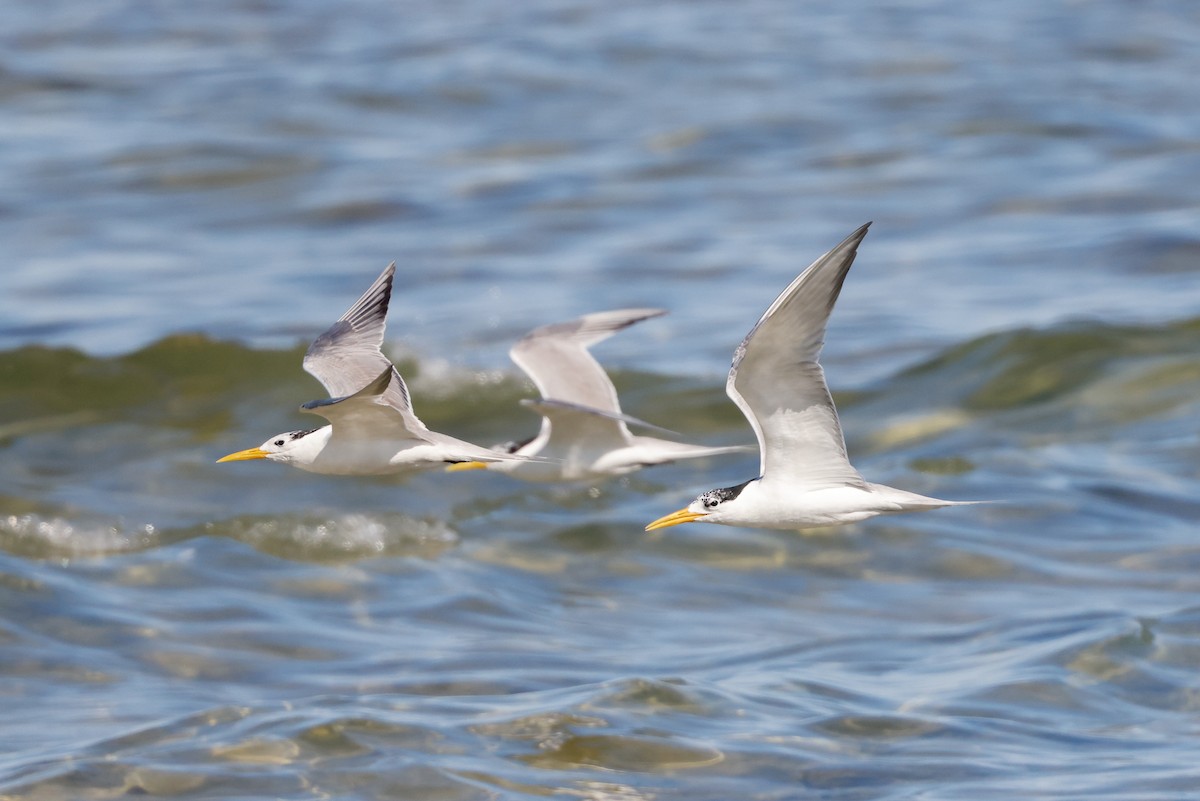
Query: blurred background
column 190, row 193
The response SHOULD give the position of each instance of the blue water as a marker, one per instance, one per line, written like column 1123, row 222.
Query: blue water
column 189, row 194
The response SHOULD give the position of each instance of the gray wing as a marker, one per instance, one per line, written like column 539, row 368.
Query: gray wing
column 348, row 355
column 556, row 357
column 777, row 383
column 578, row 434
column 365, row 414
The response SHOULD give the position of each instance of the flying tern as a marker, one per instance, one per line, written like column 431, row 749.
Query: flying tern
column 373, row 428
column 584, row 434
column 805, row 478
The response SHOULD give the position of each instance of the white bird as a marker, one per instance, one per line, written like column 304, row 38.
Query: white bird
column 584, row 434
column 805, row 478
column 373, row 427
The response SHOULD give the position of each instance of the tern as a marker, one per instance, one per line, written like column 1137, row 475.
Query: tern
column 373, row 427
column 805, row 478
column 584, row 434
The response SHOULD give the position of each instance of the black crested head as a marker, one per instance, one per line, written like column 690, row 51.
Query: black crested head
column 714, row 498
column 291, row 436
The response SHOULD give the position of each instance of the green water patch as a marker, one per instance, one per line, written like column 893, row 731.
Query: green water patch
column 1078, row 379
column 204, row 386
column 100, row 433
column 1027, row 367
column 194, row 382
column 183, row 380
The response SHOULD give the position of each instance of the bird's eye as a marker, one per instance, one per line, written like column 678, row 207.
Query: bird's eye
column 710, row 503
column 279, row 443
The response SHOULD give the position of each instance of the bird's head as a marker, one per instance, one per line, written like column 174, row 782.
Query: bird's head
column 710, row 507
column 290, row 446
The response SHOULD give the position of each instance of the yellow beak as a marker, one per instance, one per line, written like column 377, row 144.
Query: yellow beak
column 241, row 456
column 454, row 468
column 674, row 519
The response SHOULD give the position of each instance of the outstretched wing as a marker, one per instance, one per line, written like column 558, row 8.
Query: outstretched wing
column 368, row 414
column 348, row 356
column 556, row 357
column 777, row 383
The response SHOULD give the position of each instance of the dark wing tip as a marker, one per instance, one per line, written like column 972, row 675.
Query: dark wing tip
column 317, row 404
column 372, row 307
column 860, row 232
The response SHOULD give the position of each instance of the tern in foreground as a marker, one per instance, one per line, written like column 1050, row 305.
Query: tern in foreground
column 805, row 478
column 374, row 429
column 584, row 433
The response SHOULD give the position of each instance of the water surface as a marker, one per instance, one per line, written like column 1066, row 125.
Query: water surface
column 189, row 195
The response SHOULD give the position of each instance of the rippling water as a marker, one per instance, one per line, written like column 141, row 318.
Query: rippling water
column 188, row 194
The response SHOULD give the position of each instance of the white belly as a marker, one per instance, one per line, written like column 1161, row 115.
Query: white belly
column 791, row 508
column 365, row 458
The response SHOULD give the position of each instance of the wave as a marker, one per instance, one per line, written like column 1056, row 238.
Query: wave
column 332, row 537
column 114, row 454
column 196, row 382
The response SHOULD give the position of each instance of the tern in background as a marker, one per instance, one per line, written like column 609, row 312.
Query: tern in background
column 805, row 478
column 584, row 434
column 374, row 429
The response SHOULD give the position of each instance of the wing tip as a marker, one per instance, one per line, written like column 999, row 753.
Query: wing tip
column 372, row 306
column 593, row 327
